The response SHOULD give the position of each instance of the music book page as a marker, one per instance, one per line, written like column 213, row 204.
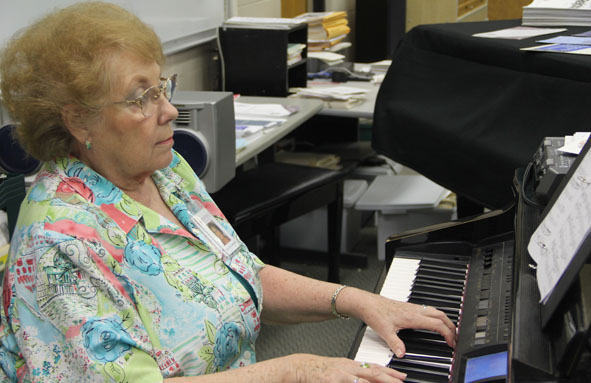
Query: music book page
column 562, row 232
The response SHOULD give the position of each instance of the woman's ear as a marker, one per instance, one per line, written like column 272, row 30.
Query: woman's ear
column 75, row 123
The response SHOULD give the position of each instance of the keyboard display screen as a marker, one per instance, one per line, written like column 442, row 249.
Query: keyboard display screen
column 486, row 368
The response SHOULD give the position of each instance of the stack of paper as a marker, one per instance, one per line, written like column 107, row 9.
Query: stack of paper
column 253, row 120
column 294, row 53
column 557, row 12
column 336, row 97
column 330, row 58
column 262, row 22
column 325, row 29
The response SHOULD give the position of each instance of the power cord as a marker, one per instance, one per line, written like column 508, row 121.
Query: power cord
column 526, row 199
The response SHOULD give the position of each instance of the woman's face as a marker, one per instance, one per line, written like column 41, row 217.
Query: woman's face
column 125, row 143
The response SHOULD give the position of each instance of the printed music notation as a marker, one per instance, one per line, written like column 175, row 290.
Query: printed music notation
column 563, row 230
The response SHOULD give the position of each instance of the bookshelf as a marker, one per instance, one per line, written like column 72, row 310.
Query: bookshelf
column 256, row 60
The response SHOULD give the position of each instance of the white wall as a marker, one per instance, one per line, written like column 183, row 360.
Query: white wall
column 198, row 67
column 259, row 8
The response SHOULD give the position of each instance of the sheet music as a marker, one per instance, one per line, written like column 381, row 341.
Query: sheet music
column 562, row 232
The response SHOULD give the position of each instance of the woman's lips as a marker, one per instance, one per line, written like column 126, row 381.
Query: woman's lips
column 168, row 141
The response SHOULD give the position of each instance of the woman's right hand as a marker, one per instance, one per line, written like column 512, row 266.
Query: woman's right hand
column 313, row 369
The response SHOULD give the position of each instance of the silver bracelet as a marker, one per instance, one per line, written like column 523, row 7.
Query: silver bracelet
column 333, row 303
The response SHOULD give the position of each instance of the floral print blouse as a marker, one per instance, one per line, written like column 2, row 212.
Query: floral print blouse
column 99, row 288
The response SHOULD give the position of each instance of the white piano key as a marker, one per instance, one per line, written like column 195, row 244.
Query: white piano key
column 373, row 349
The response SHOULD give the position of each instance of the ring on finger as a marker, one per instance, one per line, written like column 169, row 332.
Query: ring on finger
column 365, row 365
column 424, row 307
column 356, row 380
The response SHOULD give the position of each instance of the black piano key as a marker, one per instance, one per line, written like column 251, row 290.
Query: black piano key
column 428, row 287
column 430, row 344
column 444, row 269
column 427, row 358
column 436, row 292
column 421, row 334
column 418, row 375
column 416, row 362
column 432, row 370
column 438, row 277
column 436, row 301
column 449, row 311
column 424, row 270
column 455, row 285
column 461, row 265
column 425, row 348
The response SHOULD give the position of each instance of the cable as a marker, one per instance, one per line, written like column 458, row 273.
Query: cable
column 222, row 62
column 526, row 199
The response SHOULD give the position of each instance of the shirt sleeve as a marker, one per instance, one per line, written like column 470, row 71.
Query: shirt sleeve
column 69, row 316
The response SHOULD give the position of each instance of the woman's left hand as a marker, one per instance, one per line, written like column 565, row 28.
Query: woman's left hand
column 387, row 317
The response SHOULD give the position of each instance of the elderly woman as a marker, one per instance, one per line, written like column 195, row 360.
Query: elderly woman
column 117, row 269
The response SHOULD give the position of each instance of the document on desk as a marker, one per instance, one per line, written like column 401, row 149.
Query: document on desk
column 264, row 110
column 334, row 97
column 561, row 48
column 518, row 33
column 561, row 233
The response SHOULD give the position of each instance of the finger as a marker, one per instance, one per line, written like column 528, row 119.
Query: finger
column 379, row 374
column 388, row 372
column 396, row 345
column 437, row 325
column 433, row 312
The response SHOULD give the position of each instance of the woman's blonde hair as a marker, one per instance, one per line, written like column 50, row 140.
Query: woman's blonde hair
column 61, row 60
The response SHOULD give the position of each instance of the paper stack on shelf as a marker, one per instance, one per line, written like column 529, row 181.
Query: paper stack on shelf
column 325, row 29
column 335, row 97
column 294, row 53
column 262, row 22
column 557, row 12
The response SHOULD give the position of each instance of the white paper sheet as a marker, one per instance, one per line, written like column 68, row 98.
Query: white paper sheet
column 559, row 236
column 519, row 32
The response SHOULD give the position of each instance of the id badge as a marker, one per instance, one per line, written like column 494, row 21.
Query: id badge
column 214, row 232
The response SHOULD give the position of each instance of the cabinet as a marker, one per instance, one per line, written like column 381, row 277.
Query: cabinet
column 256, row 60
column 444, row 11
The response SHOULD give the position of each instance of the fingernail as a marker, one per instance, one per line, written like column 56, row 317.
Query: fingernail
column 399, row 353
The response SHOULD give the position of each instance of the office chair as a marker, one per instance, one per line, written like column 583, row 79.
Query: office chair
column 15, row 163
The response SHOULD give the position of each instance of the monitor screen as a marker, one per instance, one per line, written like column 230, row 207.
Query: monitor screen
column 486, row 368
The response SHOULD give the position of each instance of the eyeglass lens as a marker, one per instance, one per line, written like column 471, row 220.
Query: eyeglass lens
column 151, row 98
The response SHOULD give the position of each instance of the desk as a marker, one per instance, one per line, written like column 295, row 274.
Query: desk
column 307, row 109
column 467, row 111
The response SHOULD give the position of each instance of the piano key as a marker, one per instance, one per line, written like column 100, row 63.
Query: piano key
column 424, row 363
column 447, row 263
column 428, row 358
column 401, row 364
column 422, row 334
column 373, row 349
column 436, row 300
column 455, row 274
column 414, row 375
column 422, row 348
column 439, row 290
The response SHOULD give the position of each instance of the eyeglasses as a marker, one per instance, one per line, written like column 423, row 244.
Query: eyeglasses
column 148, row 101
